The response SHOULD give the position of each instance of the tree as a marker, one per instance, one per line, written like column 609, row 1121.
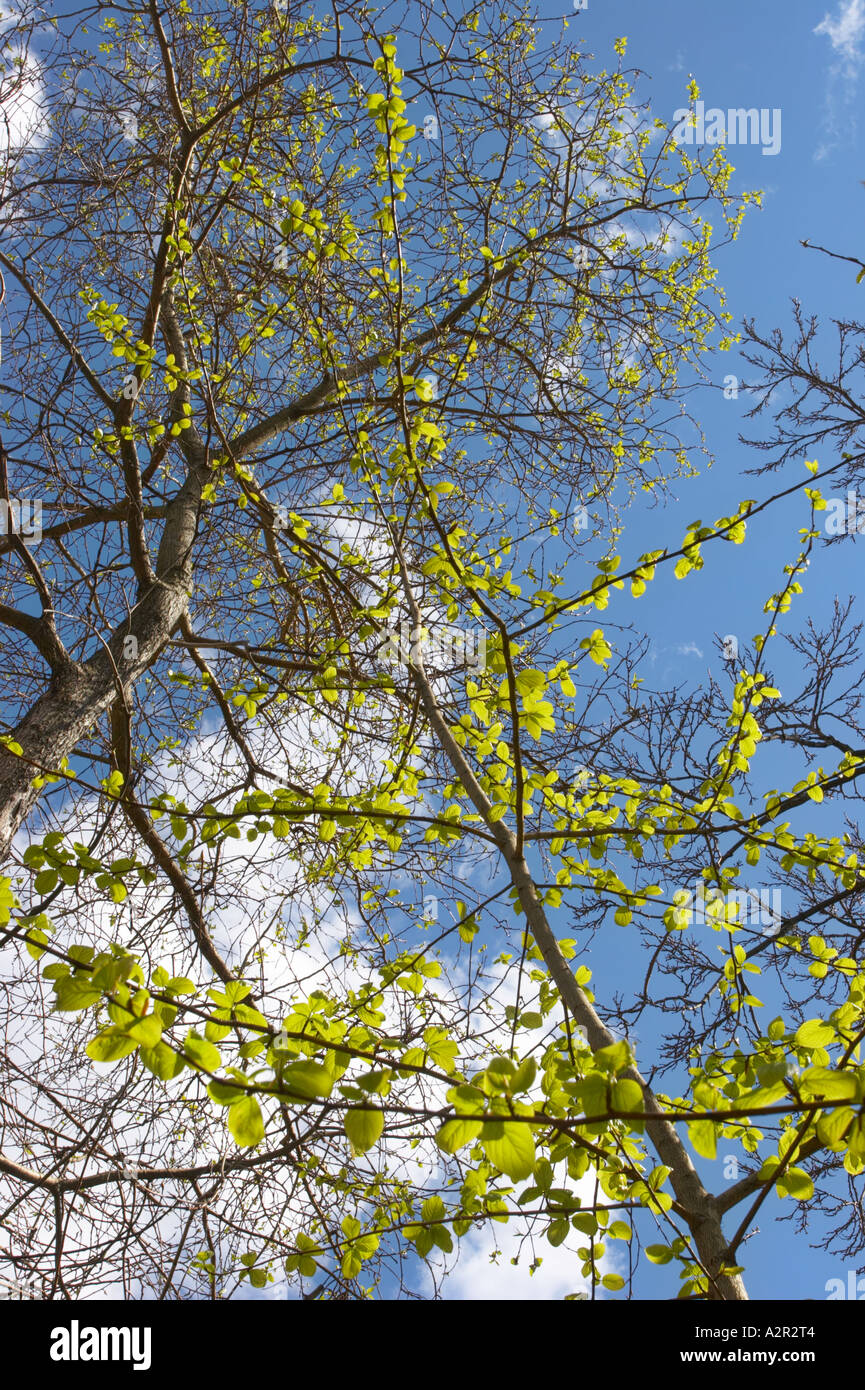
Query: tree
column 341, row 342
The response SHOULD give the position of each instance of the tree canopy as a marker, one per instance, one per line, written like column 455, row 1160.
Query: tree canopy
column 344, row 340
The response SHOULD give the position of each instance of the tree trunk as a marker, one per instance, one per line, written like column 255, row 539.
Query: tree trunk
column 699, row 1207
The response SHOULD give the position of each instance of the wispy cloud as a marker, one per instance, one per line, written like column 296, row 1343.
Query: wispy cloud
column 688, row 649
column 845, row 31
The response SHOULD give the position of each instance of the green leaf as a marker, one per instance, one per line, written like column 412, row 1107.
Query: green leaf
column 74, row 993
column 455, row 1134
column 586, row 1222
column 303, row 1261
column 363, row 1127
column 599, row 650
column 510, row 1147
column 245, row 1122
column 828, row 1084
column 204, row 1053
column 815, row 1033
column 558, row 1230
column 627, row 1095
column 524, row 1077
column 35, row 940
column 468, row 929
column 110, row 1044
column 113, row 784
column 442, row 1237
column 180, row 984
column 306, row 1080
column 659, row 1254
column 361, row 1249
column 146, row 1030
column 163, row 1061
column 228, row 1093
column 703, row 1134
column 831, row 1128
column 433, row 1209
column 795, row 1182
column 614, row 1058
column 529, row 683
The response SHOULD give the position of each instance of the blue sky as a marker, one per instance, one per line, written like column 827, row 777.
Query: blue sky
column 809, row 62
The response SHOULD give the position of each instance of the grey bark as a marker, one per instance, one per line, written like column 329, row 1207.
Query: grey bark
column 80, row 693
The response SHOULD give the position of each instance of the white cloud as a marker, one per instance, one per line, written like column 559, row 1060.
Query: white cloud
column 485, row 1270
column 688, row 649
column 22, row 113
column 484, row 1275
column 845, row 32
column 260, row 883
column 549, row 126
